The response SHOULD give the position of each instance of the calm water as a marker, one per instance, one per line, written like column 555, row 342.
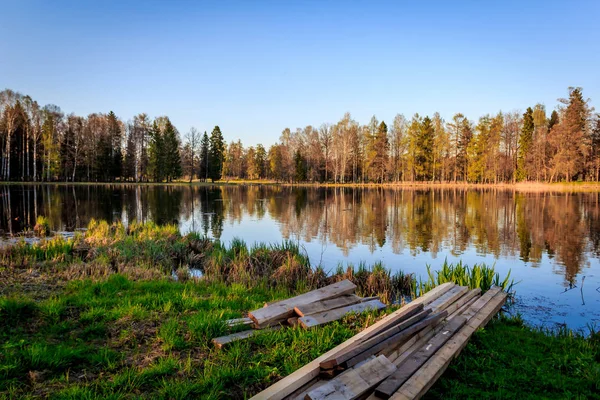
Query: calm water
column 550, row 241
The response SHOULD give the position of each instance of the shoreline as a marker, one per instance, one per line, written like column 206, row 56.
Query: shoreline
column 106, row 314
column 518, row 187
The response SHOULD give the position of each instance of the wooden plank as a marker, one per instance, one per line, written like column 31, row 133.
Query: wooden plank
column 391, row 384
column 398, row 338
column 332, row 315
column 401, row 315
column 325, row 305
column 310, row 371
column 452, row 308
column 356, row 382
column 238, row 321
column 284, row 309
column 292, row 321
column 222, row 341
column 418, row 384
column 464, row 307
column 367, row 344
column 434, row 293
column 363, row 299
column 448, row 298
column 455, row 308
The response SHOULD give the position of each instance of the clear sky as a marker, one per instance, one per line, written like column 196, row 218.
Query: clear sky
column 254, row 68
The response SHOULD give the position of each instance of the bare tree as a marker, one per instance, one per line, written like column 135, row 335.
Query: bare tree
column 192, row 140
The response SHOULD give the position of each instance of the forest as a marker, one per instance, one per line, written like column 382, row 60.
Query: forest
column 43, row 144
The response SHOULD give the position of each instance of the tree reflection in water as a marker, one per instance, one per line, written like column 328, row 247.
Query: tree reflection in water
column 501, row 223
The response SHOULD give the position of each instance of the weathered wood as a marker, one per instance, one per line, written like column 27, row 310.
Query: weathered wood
column 464, row 307
column 401, row 315
column 367, row 344
column 394, row 353
column 434, row 294
column 284, row 309
column 389, row 386
column 453, row 307
column 356, row 382
column 325, row 305
column 332, row 315
column 363, row 299
column 398, row 338
column 222, row 341
column 448, row 298
column 238, row 321
column 418, row 384
column 310, row 371
column 420, row 339
column 292, row 321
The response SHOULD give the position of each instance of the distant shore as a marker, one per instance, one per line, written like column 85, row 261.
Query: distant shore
column 518, row 186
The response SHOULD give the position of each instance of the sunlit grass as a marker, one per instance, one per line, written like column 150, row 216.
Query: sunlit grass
column 479, row 276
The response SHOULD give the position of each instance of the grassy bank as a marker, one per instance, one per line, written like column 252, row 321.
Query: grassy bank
column 117, row 313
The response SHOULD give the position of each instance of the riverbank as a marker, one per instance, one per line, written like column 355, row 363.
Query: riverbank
column 518, row 186
column 121, row 312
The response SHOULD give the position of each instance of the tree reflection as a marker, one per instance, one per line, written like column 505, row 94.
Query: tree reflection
column 504, row 223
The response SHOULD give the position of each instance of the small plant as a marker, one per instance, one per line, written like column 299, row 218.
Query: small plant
column 479, row 276
column 42, row 226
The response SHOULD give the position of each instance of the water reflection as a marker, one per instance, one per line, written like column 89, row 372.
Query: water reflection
column 531, row 226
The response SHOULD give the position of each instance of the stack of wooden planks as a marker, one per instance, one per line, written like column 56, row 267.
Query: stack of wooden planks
column 399, row 357
column 314, row 308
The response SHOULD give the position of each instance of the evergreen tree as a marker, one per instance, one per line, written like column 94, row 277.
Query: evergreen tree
column 115, row 168
column 300, row 167
column 155, row 154
column 424, row 154
column 570, row 137
column 204, row 157
column 171, row 155
column 525, row 142
column 216, row 155
column 130, row 155
column 477, row 151
column 553, row 120
column 377, row 150
column 260, row 160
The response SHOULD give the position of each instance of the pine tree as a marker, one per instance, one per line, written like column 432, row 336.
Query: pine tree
column 300, row 167
column 424, row 155
column 553, row 120
column 478, row 151
column 204, row 157
column 216, row 155
column 171, row 155
column 260, row 161
column 525, row 142
column 130, row 155
column 155, row 154
column 570, row 137
column 377, row 150
column 115, row 168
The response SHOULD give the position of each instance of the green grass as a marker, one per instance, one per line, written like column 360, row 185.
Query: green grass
column 479, row 276
column 120, row 337
column 100, row 316
column 508, row 360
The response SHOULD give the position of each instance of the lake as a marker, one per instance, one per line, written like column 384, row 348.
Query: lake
column 550, row 241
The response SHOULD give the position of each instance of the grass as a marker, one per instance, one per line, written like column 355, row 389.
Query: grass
column 114, row 313
column 479, row 276
column 510, row 360
column 120, row 337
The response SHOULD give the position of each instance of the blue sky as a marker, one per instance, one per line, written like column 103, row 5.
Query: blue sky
column 255, row 68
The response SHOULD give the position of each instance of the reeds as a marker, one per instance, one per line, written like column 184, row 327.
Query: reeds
column 148, row 251
column 479, row 276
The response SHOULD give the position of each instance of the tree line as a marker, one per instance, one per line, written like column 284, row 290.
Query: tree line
column 43, row 144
